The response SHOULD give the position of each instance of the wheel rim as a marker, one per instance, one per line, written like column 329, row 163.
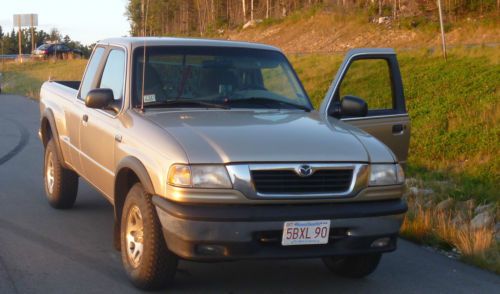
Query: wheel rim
column 134, row 236
column 49, row 173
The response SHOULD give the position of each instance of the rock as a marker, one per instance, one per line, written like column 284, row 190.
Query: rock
column 466, row 206
column 482, row 208
column 481, row 221
column 383, row 19
column 444, row 205
column 250, row 23
column 458, row 221
column 426, row 192
column 413, row 191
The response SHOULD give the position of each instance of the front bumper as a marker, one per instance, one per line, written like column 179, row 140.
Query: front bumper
column 227, row 232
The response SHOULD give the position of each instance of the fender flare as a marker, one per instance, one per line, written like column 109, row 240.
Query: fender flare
column 139, row 169
column 133, row 164
column 48, row 118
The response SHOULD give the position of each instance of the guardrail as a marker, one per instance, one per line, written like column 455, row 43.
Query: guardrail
column 14, row 56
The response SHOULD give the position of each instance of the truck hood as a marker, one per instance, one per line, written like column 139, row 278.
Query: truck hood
column 229, row 136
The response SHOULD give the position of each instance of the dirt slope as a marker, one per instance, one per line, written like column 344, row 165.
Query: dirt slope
column 329, row 32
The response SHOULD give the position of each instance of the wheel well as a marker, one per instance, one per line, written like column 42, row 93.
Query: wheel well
column 125, row 179
column 46, row 131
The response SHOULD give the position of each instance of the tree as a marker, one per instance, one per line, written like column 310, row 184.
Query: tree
column 66, row 39
column 55, row 35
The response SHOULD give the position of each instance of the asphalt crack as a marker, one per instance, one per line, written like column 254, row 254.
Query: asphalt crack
column 23, row 141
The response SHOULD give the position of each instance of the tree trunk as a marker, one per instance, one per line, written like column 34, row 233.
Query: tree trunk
column 267, row 8
column 251, row 10
column 244, row 11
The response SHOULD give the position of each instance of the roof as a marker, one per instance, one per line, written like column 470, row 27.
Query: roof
column 133, row 42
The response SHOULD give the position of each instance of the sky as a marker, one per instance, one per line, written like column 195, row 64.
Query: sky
column 86, row 21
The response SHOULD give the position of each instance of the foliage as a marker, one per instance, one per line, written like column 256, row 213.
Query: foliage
column 454, row 108
column 27, row 78
column 202, row 17
column 9, row 42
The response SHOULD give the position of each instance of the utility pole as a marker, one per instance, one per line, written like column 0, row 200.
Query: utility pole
column 32, row 34
column 443, row 39
column 19, row 33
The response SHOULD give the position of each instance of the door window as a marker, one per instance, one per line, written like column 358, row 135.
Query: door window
column 112, row 76
column 88, row 79
column 370, row 80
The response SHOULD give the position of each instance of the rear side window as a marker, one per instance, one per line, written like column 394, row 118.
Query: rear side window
column 112, row 76
column 91, row 71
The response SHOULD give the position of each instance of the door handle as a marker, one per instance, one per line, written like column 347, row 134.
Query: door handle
column 397, row 129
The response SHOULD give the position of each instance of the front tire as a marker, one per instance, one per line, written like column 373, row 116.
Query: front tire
column 61, row 185
column 145, row 256
column 355, row 266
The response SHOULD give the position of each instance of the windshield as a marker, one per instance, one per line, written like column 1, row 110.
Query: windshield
column 203, row 76
column 44, row 46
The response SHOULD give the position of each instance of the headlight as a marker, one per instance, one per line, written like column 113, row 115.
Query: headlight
column 386, row 174
column 199, row 176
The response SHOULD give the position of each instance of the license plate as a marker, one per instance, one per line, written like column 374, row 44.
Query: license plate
column 305, row 232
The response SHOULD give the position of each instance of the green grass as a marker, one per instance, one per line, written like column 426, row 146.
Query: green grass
column 27, row 78
column 454, row 108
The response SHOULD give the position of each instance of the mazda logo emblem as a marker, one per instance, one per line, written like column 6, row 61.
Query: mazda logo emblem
column 304, row 170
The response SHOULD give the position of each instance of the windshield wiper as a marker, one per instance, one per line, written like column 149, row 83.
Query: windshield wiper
column 267, row 102
column 187, row 102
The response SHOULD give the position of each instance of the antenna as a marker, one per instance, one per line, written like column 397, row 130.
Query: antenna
column 144, row 18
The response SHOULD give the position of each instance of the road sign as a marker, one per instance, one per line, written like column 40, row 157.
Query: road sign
column 25, row 20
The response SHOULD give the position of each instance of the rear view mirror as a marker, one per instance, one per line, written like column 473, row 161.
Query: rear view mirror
column 353, row 106
column 99, row 98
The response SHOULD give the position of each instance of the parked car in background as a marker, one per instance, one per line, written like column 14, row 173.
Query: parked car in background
column 56, row 50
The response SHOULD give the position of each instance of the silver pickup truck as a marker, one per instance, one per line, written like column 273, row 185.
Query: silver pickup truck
column 211, row 151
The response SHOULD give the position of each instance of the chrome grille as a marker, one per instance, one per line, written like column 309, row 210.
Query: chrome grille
column 288, row 181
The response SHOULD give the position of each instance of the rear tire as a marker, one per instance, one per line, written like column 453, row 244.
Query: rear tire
column 145, row 256
column 355, row 266
column 61, row 185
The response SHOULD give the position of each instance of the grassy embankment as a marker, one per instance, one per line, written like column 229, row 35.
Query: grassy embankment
column 455, row 143
column 454, row 107
column 27, row 78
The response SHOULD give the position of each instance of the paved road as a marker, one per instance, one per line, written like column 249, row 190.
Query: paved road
column 47, row 251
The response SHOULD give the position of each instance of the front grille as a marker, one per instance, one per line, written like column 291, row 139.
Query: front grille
column 287, row 181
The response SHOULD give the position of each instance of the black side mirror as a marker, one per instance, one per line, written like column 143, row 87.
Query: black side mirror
column 353, row 106
column 99, row 98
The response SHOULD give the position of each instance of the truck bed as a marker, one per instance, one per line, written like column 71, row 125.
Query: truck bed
column 72, row 84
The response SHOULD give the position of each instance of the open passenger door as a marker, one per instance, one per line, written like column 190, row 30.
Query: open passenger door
column 367, row 92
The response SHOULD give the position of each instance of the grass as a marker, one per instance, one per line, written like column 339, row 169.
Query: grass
column 27, row 78
column 425, row 224
column 454, row 107
column 455, row 140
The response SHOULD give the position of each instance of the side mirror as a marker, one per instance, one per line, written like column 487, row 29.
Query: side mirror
column 353, row 106
column 99, row 98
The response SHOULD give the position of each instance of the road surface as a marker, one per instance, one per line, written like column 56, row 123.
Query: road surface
column 43, row 250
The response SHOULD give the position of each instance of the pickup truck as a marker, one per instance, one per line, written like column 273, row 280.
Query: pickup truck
column 211, row 150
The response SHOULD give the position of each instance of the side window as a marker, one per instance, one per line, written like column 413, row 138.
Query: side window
column 112, row 75
column 90, row 73
column 370, row 80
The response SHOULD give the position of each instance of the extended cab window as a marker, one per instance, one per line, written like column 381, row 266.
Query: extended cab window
column 92, row 67
column 370, row 80
column 113, row 73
